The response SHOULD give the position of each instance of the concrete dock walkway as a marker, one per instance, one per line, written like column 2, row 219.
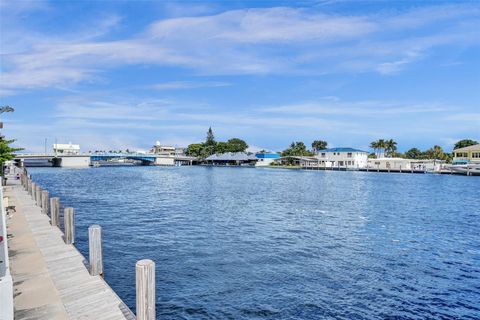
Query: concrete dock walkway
column 50, row 277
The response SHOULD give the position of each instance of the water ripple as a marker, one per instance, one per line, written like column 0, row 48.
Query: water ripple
column 232, row 243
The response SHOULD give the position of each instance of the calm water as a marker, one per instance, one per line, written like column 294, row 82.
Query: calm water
column 241, row 243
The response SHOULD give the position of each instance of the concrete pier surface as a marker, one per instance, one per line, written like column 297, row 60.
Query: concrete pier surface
column 50, row 278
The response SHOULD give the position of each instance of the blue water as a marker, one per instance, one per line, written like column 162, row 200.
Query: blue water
column 242, row 243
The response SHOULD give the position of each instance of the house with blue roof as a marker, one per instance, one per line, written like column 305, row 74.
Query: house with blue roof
column 342, row 158
column 266, row 158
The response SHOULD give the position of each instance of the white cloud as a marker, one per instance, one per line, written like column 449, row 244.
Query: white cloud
column 465, row 117
column 355, row 108
column 248, row 41
column 269, row 25
column 178, row 85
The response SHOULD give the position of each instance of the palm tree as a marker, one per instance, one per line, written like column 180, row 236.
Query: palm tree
column 381, row 146
column 319, row 145
column 374, row 146
column 6, row 108
column 390, row 147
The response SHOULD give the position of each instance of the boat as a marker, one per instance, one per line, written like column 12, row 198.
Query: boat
column 469, row 169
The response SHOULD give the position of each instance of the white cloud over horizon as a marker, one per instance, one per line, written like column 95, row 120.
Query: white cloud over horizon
column 245, row 41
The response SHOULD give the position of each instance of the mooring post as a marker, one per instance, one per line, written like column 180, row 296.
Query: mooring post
column 54, row 211
column 145, row 284
column 45, row 201
column 69, row 225
column 34, row 188
column 38, row 195
column 95, row 250
column 29, row 187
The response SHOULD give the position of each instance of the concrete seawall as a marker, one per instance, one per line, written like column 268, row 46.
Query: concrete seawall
column 50, row 278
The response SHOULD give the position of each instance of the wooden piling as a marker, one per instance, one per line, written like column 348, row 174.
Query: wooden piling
column 145, row 285
column 34, row 188
column 69, row 225
column 54, row 211
column 38, row 195
column 95, row 250
column 45, row 202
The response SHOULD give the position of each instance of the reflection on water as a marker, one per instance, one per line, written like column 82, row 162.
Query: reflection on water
column 242, row 243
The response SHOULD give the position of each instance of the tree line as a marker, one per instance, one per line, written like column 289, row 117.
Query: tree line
column 381, row 147
column 389, row 148
column 211, row 146
column 299, row 149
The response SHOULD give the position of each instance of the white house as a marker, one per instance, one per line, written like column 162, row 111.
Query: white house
column 63, row 148
column 163, row 150
column 395, row 164
column 348, row 158
column 431, row 165
column 266, row 158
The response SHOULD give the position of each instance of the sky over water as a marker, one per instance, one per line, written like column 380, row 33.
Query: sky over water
column 123, row 74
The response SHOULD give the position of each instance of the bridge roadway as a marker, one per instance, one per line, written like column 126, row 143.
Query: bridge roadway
column 85, row 159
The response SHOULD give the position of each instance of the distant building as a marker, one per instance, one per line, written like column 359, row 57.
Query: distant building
column 466, row 155
column 431, row 165
column 347, row 158
column 180, row 151
column 394, row 164
column 163, row 150
column 266, row 158
column 302, row 161
column 61, row 148
column 232, row 159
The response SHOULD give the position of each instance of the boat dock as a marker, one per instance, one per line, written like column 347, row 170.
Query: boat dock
column 50, row 277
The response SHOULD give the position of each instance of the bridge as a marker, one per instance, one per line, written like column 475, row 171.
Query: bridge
column 86, row 159
column 143, row 157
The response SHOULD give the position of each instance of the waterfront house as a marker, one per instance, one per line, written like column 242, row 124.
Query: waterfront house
column 265, row 158
column 66, row 148
column 470, row 154
column 301, row 161
column 163, row 150
column 232, row 159
column 430, row 165
column 344, row 158
column 386, row 164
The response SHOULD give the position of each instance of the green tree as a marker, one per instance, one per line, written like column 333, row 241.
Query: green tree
column 7, row 152
column 374, row 146
column 237, row 145
column 194, row 150
column 222, row 147
column 319, row 145
column 296, row 149
column 390, row 147
column 464, row 143
column 413, row 153
column 435, row 153
column 382, row 145
column 210, row 145
column 210, row 141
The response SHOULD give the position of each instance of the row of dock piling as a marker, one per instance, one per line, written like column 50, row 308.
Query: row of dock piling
column 144, row 269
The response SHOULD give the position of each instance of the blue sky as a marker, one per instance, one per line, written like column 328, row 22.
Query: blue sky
column 124, row 74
